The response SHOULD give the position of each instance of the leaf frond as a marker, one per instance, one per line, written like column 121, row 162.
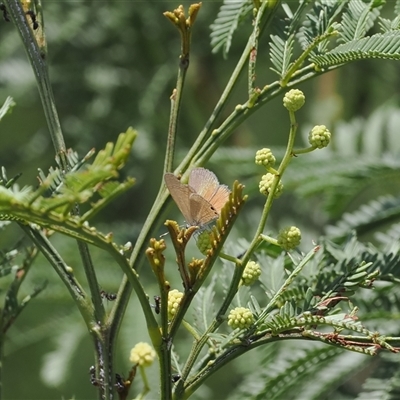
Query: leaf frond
column 318, row 22
column 304, row 365
column 230, row 15
column 357, row 20
column 368, row 217
column 281, row 52
column 385, row 46
column 282, row 43
column 7, row 107
column 204, row 302
column 388, row 25
column 384, row 382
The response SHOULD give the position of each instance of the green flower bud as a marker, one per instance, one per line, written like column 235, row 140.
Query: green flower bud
column 294, row 99
column 266, row 183
column 203, row 241
column 289, row 238
column 240, row 317
column 174, row 299
column 142, row 354
column 319, row 136
column 251, row 273
column 265, row 157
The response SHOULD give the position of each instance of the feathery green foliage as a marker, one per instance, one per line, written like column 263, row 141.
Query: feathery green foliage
column 229, row 17
column 330, row 300
column 6, row 107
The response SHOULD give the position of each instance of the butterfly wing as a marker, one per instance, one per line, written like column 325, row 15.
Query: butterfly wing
column 220, row 197
column 201, row 210
column 206, row 184
column 202, row 199
column 181, row 194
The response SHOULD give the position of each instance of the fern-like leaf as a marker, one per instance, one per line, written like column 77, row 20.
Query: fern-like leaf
column 55, row 177
column 282, row 44
column 281, row 52
column 6, row 107
column 386, row 46
column 385, row 381
column 357, row 20
column 388, row 25
column 318, row 22
column 204, row 302
column 300, row 367
column 368, row 217
column 230, row 15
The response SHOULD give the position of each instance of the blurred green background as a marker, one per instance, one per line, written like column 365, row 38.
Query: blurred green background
column 113, row 64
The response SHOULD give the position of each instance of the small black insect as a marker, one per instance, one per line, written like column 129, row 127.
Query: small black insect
column 108, row 296
column 32, row 15
column 175, row 378
column 5, row 12
column 123, row 385
column 157, row 300
column 119, row 383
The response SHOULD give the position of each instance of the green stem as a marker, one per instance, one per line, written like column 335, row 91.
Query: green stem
column 254, row 49
column 37, row 58
column 176, row 100
column 136, row 260
column 146, row 387
column 238, row 115
column 104, row 357
column 40, row 69
column 261, row 226
column 78, row 294
column 194, row 353
column 286, row 284
column 269, row 239
column 242, row 264
column 266, row 13
column 297, row 64
column 8, row 318
column 99, row 311
column 164, row 351
column 225, row 256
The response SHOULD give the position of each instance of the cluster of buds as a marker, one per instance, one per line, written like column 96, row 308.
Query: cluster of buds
column 203, row 241
column 142, row 354
column 319, row 136
column 241, row 318
column 251, row 273
column 266, row 183
column 265, row 157
column 293, row 100
column 289, row 238
column 174, row 299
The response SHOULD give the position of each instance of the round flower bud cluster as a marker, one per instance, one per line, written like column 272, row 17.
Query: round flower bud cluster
column 266, row 183
column 289, row 238
column 203, row 241
column 251, row 273
column 240, row 317
column 174, row 299
column 294, row 99
column 142, row 354
column 319, row 136
column 265, row 157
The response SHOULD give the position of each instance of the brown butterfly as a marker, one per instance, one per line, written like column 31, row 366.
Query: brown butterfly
column 201, row 200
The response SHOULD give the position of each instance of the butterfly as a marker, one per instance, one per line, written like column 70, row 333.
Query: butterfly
column 202, row 199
